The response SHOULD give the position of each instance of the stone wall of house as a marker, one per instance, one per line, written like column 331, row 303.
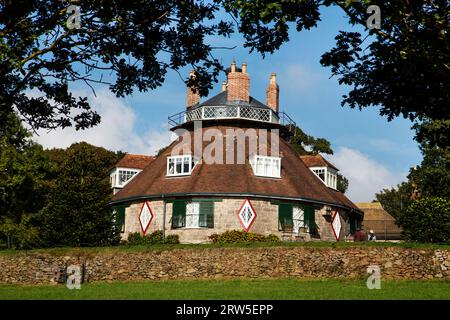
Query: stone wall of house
column 324, row 224
column 225, row 218
column 218, row 263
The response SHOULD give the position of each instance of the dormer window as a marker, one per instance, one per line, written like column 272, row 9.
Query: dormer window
column 120, row 177
column 181, row 165
column 264, row 166
column 126, row 175
column 320, row 173
column 327, row 175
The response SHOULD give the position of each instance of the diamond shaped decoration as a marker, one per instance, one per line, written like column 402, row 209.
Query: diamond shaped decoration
column 336, row 225
column 145, row 217
column 247, row 215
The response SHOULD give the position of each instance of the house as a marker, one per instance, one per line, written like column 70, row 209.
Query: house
column 232, row 167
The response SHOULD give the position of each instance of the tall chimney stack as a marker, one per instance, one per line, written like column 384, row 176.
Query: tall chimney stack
column 238, row 83
column 192, row 96
column 273, row 93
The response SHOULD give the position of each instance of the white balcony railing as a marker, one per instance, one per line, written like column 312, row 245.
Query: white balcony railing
column 225, row 112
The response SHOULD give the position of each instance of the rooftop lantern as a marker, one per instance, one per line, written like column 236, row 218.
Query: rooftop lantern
column 234, row 103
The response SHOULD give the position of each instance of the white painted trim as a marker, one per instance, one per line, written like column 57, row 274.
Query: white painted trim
column 191, row 168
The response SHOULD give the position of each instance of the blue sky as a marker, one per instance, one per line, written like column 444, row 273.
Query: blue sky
column 370, row 151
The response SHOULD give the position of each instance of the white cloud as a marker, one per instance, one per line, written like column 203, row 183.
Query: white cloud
column 366, row 176
column 117, row 130
column 300, row 78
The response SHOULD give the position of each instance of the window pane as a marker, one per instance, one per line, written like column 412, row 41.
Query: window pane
column 186, row 161
column 276, row 168
column 259, row 166
column 321, row 174
column 171, row 166
column 125, row 175
column 178, row 166
column 267, row 167
column 298, row 218
column 192, row 215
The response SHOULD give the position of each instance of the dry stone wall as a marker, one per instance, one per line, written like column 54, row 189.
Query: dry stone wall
column 218, row 263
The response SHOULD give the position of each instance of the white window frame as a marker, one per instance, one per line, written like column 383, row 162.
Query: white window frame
column 192, row 215
column 115, row 176
column 182, row 160
column 330, row 176
column 260, row 164
column 298, row 219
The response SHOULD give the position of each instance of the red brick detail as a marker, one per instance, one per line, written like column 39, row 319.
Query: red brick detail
column 192, row 96
column 238, row 87
column 273, row 94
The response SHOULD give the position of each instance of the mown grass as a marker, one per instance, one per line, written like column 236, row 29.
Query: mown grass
column 159, row 247
column 253, row 289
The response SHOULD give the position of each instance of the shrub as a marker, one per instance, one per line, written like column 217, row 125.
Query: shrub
column 155, row 237
column 237, row 236
column 135, row 238
column 272, row 238
column 172, row 239
column 427, row 220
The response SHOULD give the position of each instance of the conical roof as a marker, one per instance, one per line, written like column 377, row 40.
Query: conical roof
column 297, row 182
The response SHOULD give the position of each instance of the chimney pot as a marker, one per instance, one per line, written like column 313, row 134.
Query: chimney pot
column 224, row 86
column 233, row 66
column 244, row 68
column 273, row 78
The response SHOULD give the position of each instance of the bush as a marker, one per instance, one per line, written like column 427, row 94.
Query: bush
column 426, row 220
column 152, row 238
column 237, row 236
column 272, row 238
column 172, row 239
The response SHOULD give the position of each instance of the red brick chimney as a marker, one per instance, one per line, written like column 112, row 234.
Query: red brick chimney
column 273, row 93
column 192, row 97
column 238, row 84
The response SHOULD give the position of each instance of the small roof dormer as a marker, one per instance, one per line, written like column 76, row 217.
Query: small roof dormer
column 322, row 168
column 126, row 169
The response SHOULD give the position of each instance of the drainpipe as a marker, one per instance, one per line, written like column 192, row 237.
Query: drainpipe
column 164, row 219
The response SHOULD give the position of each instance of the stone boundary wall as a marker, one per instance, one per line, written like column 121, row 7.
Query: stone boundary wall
column 217, row 263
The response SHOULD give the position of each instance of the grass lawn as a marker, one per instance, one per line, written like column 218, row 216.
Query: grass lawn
column 235, row 289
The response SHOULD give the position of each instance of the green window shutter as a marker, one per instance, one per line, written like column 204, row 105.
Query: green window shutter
column 179, row 214
column 352, row 223
column 310, row 219
column 120, row 217
column 285, row 216
column 206, row 218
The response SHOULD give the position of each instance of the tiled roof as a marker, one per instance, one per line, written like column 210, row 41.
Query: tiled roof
column 134, row 161
column 221, row 100
column 297, row 181
column 317, row 161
